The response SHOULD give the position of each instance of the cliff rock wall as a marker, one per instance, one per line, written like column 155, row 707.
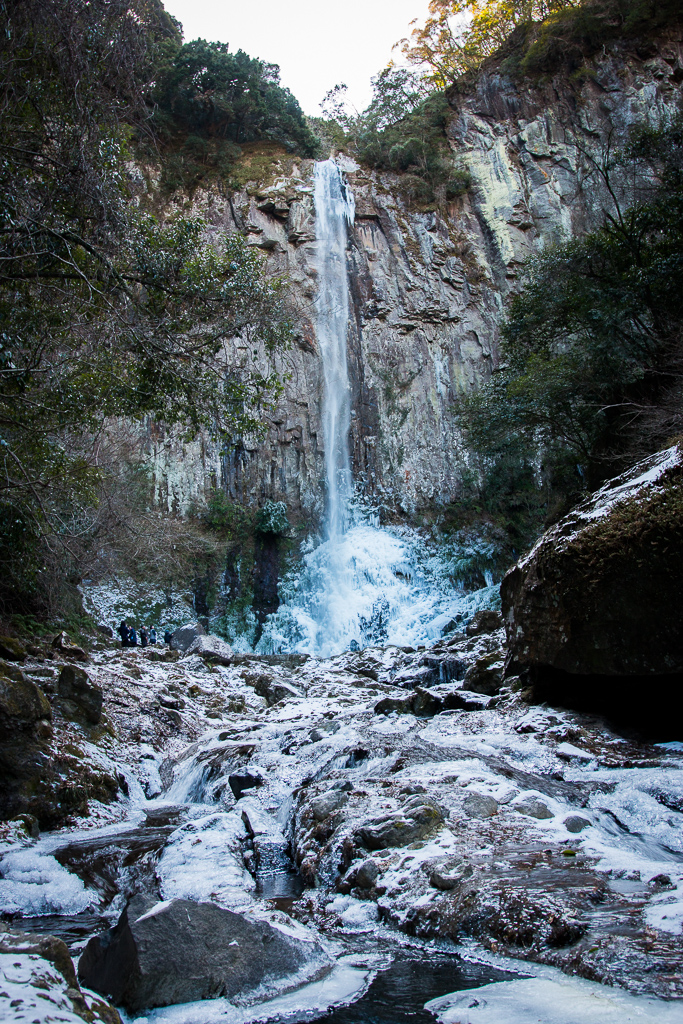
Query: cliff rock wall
column 428, row 289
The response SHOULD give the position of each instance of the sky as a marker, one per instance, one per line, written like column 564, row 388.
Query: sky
column 317, row 44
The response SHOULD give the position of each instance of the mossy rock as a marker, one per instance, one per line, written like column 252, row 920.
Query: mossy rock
column 10, row 671
column 12, row 649
column 22, row 704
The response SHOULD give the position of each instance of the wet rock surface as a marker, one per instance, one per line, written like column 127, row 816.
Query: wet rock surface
column 536, row 833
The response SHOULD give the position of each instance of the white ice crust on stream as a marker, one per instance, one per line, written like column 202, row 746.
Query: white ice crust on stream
column 550, row 998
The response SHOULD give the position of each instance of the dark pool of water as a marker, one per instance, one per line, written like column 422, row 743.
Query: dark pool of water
column 280, row 885
column 398, row 994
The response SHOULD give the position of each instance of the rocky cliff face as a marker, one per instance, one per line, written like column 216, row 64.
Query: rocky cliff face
column 428, row 289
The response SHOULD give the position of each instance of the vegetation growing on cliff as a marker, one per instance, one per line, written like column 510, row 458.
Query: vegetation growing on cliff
column 404, row 127
column 208, row 102
column 592, row 373
column 104, row 312
column 460, row 34
column 527, row 36
column 402, row 130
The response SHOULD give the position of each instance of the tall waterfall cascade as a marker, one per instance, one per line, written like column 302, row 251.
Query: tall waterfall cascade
column 334, row 212
column 362, row 584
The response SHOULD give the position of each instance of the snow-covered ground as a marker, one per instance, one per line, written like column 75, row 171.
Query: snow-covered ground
column 525, row 833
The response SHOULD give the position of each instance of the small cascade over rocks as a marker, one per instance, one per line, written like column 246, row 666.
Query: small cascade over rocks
column 363, row 584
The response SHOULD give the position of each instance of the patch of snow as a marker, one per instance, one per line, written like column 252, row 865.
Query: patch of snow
column 32, row 989
column 356, row 915
column 556, row 1000
column 34, row 884
column 203, row 861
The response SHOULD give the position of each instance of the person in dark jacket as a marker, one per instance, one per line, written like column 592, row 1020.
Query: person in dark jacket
column 132, row 637
column 144, row 638
column 168, row 636
column 124, row 633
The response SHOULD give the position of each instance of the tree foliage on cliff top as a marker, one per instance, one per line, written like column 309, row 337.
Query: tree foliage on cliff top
column 103, row 311
column 460, row 34
column 528, row 36
column 402, row 130
column 592, row 374
column 208, row 102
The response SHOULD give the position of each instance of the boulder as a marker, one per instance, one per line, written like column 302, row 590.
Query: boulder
column 11, row 671
column 29, row 823
column 484, row 621
column 401, row 705
column 179, row 951
column 450, row 875
column 22, row 706
column 417, row 819
column 242, row 780
column 75, row 685
column 212, row 649
column 62, row 644
column 532, row 807
column 275, row 690
column 486, row 674
column 480, row 805
column 593, row 612
column 575, row 823
column 12, row 649
column 26, row 767
column 185, row 636
column 467, row 700
column 323, row 806
column 363, row 875
column 427, row 702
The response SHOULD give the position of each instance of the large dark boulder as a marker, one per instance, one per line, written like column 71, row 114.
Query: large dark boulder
column 181, row 951
column 12, row 649
column 593, row 612
column 75, row 686
column 25, row 733
column 185, row 636
column 22, row 705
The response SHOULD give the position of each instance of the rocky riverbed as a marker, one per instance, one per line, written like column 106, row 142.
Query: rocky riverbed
column 335, row 813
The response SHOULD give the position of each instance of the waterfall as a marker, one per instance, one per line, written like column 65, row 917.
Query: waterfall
column 363, row 584
column 334, row 211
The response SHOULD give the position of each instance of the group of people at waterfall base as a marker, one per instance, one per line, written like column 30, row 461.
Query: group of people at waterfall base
column 145, row 638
